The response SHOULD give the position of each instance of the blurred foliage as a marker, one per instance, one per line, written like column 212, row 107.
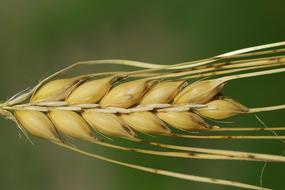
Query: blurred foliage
column 39, row 37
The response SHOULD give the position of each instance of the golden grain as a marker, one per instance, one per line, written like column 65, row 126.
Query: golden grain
column 222, row 109
column 91, row 92
column 37, row 123
column 56, row 90
column 125, row 95
column 145, row 122
column 199, row 92
column 71, row 124
column 163, row 92
column 183, row 120
column 108, row 124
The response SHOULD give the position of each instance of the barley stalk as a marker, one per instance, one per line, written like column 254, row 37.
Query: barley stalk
column 152, row 100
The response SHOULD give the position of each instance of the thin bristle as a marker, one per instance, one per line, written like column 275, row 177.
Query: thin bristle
column 165, row 172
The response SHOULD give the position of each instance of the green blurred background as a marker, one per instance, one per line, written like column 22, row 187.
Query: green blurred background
column 39, row 37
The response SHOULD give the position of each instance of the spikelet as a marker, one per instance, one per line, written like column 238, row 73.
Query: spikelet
column 37, row 124
column 56, row 90
column 125, row 95
column 222, row 109
column 92, row 91
column 163, row 92
column 71, row 124
column 183, row 120
column 199, row 92
column 145, row 122
column 107, row 124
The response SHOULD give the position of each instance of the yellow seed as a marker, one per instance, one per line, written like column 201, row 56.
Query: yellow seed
column 125, row 95
column 199, row 92
column 37, row 123
column 91, row 92
column 145, row 122
column 71, row 124
column 107, row 124
column 183, row 120
column 222, row 109
column 162, row 93
column 56, row 90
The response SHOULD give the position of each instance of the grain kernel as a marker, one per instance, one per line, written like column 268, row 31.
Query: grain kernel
column 107, row 124
column 183, row 120
column 199, row 92
column 71, row 124
column 56, row 90
column 125, row 95
column 162, row 93
column 222, row 109
column 91, row 92
column 145, row 122
column 37, row 123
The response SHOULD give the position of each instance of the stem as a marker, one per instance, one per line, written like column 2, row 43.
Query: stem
column 45, row 106
column 164, row 172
